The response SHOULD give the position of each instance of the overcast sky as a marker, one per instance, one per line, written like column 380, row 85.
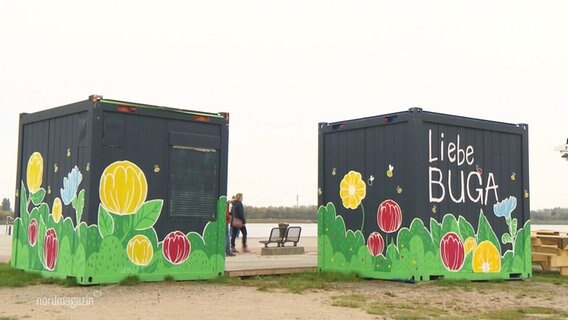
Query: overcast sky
column 280, row 67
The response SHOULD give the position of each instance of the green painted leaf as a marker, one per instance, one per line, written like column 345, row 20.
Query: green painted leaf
column 43, row 211
column 148, row 214
column 392, row 256
column 79, row 203
column 123, row 226
column 436, row 230
column 523, row 236
column 514, row 224
column 506, row 238
column 467, row 266
column 42, row 229
column 466, row 229
column 64, row 257
column 38, row 196
column 24, row 214
column 105, row 222
column 523, row 245
column 485, row 232
column 507, row 262
column 34, row 214
column 449, row 224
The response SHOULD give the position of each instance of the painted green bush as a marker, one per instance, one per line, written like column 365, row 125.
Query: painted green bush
column 122, row 243
column 416, row 251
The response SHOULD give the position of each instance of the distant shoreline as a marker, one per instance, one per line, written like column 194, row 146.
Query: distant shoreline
column 280, row 220
column 559, row 222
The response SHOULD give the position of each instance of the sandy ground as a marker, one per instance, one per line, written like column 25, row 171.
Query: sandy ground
column 203, row 300
column 367, row 299
column 5, row 247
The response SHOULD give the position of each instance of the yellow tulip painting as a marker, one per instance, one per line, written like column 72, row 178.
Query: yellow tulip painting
column 57, row 209
column 123, row 188
column 34, row 173
column 139, row 250
column 469, row 244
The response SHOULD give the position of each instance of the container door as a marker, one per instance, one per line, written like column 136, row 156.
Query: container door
column 344, row 167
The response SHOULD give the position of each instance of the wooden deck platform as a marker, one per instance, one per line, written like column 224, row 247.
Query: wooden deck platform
column 269, row 271
column 253, row 264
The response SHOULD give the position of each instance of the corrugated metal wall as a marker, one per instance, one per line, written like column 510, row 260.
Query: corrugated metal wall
column 62, row 142
column 147, row 141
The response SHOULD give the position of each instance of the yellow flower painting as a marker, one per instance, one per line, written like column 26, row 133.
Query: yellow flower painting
column 57, row 209
column 139, row 250
column 34, row 173
column 123, row 188
column 486, row 258
column 352, row 190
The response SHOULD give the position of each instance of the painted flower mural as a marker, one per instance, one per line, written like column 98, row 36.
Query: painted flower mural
column 139, row 250
column 50, row 249
column 452, row 251
column 122, row 241
column 32, row 232
column 123, row 188
column 505, row 207
column 389, row 216
column 469, row 245
column 176, row 247
column 486, row 258
column 57, row 209
column 70, row 185
column 375, row 244
column 34, row 172
column 352, row 190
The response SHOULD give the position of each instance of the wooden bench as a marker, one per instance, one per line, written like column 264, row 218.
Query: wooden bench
column 550, row 250
column 275, row 237
column 292, row 235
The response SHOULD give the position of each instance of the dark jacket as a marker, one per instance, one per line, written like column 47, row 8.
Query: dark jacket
column 238, row 211
column 228, row 213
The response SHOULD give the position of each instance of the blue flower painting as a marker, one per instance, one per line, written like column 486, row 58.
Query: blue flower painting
column 70, row 185
column 505, row 207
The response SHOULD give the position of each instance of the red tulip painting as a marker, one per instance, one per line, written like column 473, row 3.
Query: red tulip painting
column 452, row 251
column 375, row 244
column 389, row 216
column 176, row 247
column 32, row 232
column 50, row 247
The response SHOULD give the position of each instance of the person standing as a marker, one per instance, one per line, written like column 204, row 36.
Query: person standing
column 228, row 221
column 238, row 212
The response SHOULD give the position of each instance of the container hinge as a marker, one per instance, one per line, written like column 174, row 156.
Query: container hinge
column 94, row 98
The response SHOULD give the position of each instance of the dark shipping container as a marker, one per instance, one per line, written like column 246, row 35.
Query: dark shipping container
column 108, row 189
column 419, row 195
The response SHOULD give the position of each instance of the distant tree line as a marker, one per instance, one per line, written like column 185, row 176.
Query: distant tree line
column 6, row 204
column 555, row 215
column 543, row 216
column 296, row 213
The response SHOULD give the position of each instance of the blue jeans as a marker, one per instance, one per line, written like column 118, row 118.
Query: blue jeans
column 228, row 239
column 234, row 233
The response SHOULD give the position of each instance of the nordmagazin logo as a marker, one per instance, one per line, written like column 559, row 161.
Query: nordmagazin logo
column 68, row 301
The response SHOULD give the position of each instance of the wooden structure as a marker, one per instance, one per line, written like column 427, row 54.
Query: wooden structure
column 550, row 250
